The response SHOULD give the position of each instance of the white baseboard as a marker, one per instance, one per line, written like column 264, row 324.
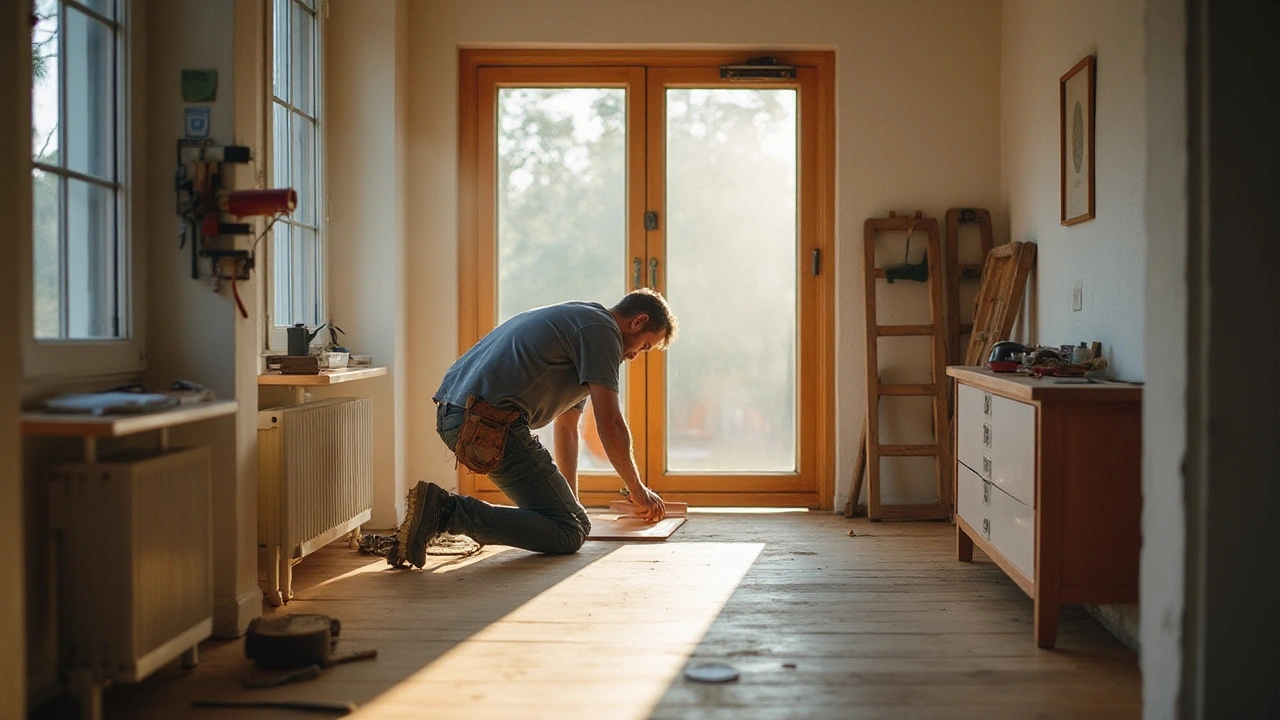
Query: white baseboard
column 231, row 616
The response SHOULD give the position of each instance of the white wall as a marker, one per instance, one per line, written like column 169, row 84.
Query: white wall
column 15, row 200
column 1041, row 40
column 194, row 333
column 918, row 128
column 366, row 74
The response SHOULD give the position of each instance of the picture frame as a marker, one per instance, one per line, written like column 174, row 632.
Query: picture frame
column 1076, row 137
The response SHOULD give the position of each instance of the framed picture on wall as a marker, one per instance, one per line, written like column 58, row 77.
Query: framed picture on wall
column 1075, row 97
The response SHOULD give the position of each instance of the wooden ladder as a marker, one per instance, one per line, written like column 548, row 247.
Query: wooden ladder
column 958, row 272
column 936, row 331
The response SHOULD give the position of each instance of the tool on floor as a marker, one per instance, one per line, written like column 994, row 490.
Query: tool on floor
column 301, row 644
column 321, row 706
column 712, row 672
column 292, row 641
column 935, row 388
column 310, row 672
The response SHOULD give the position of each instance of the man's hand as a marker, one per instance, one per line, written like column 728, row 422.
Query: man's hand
column 649, row 504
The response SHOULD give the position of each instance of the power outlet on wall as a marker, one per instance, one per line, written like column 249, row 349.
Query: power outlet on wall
column 1077, row 296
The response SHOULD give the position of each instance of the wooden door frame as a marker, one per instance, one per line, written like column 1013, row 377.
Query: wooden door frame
column 820, row 202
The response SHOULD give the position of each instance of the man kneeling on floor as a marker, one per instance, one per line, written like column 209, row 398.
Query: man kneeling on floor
column 539, row 366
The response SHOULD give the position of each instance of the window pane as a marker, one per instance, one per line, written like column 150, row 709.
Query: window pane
column 280, row 50
column 731, row 254
column 106, row 7
column 306, row 268
column 282, row 283
column 90, row 96
column 91, row 261
column 302, row 60
column 47, row 278
column 44, row 84
column 282, row 170
column 303, row 135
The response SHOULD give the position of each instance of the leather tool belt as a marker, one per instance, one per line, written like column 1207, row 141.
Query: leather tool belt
column 483, row 436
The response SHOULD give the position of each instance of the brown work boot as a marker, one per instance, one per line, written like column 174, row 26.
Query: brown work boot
column 423, row 521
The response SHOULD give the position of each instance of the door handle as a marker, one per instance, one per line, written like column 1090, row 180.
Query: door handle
column 653, row 273
column 635, row 274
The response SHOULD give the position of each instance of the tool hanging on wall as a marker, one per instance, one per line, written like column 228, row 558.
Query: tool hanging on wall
column 907, row 270
column 202, row 202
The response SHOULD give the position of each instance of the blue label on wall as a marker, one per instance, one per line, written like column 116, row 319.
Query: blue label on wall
column 197, row 122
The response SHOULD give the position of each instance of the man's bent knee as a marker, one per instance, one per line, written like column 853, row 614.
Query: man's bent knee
column 570, row 541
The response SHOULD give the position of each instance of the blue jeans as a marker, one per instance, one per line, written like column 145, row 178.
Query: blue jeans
column 547, row 517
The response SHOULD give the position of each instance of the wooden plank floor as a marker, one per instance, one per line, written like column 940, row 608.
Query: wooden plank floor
column 821, row 624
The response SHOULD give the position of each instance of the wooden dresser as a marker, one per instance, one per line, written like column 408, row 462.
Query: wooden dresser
column 1048, row 485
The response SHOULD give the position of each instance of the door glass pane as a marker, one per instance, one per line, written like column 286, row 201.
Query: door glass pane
column 732, row 229
column 561, row 207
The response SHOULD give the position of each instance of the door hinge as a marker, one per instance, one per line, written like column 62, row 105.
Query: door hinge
column 817, row 262
column 651, row 220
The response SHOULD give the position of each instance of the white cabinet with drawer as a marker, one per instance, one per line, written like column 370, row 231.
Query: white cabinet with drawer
column 1048, row 486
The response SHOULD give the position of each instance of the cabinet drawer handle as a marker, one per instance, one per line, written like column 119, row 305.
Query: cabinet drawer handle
column 986, row 403
column 986, row 435
column 986, row 527
column 986, row 494
column 986, row 466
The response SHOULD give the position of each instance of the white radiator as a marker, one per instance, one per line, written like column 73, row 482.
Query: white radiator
column 134, row 555
column 315, row 480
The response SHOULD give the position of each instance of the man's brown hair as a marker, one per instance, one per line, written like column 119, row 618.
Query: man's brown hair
column 648, row 302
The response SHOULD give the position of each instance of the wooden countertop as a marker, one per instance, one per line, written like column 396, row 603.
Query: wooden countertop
column 1024, row 387
column 87, row 425
column 326, row 377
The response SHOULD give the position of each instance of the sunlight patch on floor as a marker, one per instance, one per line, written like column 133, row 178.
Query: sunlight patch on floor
column 435, row 564
column 748, row 510
column 604, row 643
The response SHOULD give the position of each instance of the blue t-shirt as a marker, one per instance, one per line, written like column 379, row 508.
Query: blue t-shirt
column 539, row 362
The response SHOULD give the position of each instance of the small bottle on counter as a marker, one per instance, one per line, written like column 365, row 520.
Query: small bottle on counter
column 1080, row 354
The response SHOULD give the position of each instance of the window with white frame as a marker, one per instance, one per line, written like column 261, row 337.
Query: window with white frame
column 80, row 251
column 297, row 277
